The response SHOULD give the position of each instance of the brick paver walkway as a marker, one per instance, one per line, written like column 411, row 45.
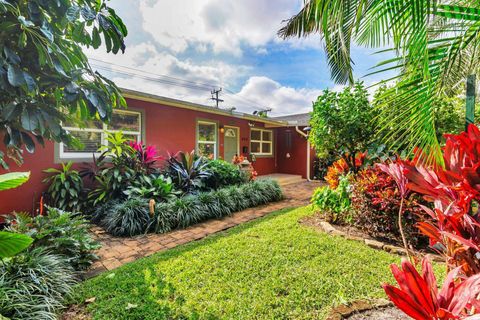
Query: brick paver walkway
column 117, row 251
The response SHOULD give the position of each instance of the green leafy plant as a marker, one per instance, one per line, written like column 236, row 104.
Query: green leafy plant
column 45, row 77
column 223, row 174
column 153, row 186
column 195, row 208
column 334, row 203
column 34, row 285
column 341, row 124
column 65, row 188
column 188, row 171
column 11, row 244
column 126, row 218
column 114, row 170
column 60, row 232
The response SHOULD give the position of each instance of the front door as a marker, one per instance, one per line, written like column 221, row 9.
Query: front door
column 231, row 140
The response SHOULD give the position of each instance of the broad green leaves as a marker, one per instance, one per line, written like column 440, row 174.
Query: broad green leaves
column 45, row 77
column 13, row 180
column 341, row 123
column 13, row 243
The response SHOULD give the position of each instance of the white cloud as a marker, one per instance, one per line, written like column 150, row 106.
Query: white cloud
column 223, row 25
column 269, row 93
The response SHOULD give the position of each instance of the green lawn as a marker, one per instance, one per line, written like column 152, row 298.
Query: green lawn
column 271, row 268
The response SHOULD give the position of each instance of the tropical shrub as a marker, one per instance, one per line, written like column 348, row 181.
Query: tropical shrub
column 153, row 186
column 452, row 188
column 65, row 190
column 340, row 168
column 60, row 232
column 45, row 76
column 34, row 284
column 453, row 229
column 11, row 243
column 223, row 174
column 121, row 163
column 419, row 297
column 334, row 204
column 188, row 171
column 341, row 124
column 192, row 209
column 376, row 202
column 126, row 218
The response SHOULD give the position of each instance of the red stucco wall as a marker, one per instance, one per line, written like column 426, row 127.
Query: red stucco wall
column 297, row 162
column 170, row 129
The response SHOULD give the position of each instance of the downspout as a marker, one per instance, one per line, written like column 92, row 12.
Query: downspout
column 308, row 150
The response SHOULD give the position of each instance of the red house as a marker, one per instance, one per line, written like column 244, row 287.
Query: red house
column 273, row 145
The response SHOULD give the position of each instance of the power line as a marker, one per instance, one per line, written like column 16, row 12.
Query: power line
column 169, row 80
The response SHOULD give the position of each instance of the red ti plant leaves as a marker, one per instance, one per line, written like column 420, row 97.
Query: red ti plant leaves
column 419, row 298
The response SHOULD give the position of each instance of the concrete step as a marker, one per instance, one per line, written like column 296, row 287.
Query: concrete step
column 284, row 179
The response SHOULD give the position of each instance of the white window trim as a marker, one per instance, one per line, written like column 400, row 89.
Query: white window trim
column 261, row 141
column 86, row 155
column 199, row 122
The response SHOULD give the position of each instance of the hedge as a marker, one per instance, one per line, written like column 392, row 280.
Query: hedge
column 185, row 211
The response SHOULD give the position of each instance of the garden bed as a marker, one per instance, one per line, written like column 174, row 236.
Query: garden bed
column 318, row 222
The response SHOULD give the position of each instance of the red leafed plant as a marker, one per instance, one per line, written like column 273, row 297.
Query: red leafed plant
column 452, row 189
column 148, row 155
column 376, row 200
column 454, row 230
column 418, row 295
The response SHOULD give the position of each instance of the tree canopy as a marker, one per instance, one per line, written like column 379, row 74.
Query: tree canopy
column 341, row 123
column 45, row 78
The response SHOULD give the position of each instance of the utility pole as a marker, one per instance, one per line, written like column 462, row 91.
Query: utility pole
column 216, row 98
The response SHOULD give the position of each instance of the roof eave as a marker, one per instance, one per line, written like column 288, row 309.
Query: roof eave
column 132, row 94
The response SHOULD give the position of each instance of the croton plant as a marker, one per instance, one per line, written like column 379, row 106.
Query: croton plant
column 453, row 229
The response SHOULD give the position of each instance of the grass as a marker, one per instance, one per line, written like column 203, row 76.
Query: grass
column 271, row 268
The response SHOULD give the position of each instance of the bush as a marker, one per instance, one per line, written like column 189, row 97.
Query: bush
column 192, row 209
column 120, row 165
column 188, row 171
column 375, row 205
column 153, row 186
column 125, row 218
column 59, row 232
column 132, row 217
column 34, row 284
column 223, row 174
column 65, row 188
column 334, row 204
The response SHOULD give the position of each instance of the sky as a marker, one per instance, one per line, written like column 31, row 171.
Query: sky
column 185, row 48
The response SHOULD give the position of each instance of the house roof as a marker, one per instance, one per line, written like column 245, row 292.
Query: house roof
column 301, row 119
column 270, row 122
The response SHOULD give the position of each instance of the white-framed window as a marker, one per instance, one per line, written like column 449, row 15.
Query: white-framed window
column 207, row 139
column 261, row 142
column 93, row 135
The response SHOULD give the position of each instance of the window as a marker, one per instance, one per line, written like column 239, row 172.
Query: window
column 288, row 139
column 207, row 139
column 261, row 142
column 93, row 135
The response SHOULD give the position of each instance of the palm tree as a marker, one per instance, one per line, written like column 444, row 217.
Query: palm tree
column 436, row 45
